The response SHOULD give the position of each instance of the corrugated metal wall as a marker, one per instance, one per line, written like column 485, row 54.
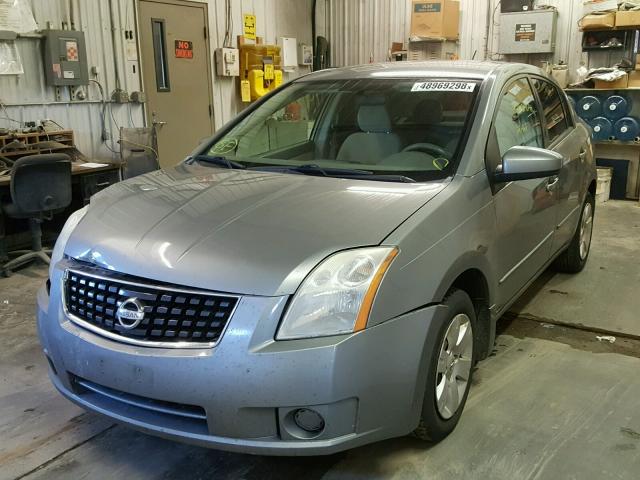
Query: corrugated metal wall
column 28, row 98
column 360, row 31
column 275, row 18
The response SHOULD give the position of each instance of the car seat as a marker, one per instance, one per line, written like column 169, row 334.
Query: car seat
column 375, row 141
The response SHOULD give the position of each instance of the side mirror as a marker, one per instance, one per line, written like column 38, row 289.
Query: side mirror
column 524, row 163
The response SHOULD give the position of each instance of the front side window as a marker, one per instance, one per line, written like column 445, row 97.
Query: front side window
column 410, row 128
column 554, row 113
column 517, row 122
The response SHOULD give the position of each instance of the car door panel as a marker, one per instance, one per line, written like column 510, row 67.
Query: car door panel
column 564, row 138
column 525, row 210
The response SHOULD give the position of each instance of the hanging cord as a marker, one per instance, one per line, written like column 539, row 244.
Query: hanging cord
column 7, row 117
column 141, row 145
column 228, row 23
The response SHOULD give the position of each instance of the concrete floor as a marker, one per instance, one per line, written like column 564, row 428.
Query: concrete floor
column 605, row 294
column 551, row 402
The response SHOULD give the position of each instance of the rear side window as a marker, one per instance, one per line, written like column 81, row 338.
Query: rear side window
column 517, row 121
column 554, row 112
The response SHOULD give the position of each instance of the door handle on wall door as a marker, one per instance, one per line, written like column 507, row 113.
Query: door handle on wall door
column 552, row 182
column 157, row 123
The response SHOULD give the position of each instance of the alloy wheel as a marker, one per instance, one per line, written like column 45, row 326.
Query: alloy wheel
column 454, row 366
column 586, row 228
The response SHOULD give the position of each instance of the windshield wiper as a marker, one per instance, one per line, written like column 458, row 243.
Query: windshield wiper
column 218, row 161
column 389, row 178
column 312, row 169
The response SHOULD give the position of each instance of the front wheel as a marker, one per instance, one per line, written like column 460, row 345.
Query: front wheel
column 450, row 371
column 574, row 258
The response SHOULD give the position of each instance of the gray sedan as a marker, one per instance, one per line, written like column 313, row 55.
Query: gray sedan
column 326, row 270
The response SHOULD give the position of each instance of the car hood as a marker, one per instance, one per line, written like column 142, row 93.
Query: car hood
column 243, row 232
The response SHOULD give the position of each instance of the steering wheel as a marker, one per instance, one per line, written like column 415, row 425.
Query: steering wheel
column 430, row 148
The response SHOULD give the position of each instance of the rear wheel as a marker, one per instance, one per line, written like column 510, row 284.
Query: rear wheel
column 450, row 371
column 574, row 258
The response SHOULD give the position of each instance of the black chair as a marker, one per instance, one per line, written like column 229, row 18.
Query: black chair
column 40, row 186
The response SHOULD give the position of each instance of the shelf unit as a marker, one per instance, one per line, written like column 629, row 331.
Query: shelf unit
column 569, row 90
column 34, row 143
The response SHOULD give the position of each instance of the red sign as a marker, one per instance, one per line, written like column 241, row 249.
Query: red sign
column 184, row 49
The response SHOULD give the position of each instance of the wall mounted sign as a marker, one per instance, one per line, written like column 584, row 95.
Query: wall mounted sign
column 249, row 26
column 184, row 49
column 525, row 32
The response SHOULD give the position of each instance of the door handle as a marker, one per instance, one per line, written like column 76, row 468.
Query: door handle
column 155, row 121
column 583, row 153
column 552, row 182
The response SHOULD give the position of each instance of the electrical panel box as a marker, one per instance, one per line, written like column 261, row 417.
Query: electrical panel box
column 289, row 51
column 305, row 54
column 65, row 58
column 227, row 62
column 528, row 32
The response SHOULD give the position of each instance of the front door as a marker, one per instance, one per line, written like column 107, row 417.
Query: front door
column 177, row 75
column 525, row 210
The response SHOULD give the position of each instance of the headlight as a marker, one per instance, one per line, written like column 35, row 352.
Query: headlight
column 61, row 242
column 337, row 295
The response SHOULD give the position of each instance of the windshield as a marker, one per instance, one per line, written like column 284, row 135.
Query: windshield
column 396, row 129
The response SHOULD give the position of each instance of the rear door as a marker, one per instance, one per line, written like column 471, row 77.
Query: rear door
column 562, row 137
column 176, row 74
column 525, row 210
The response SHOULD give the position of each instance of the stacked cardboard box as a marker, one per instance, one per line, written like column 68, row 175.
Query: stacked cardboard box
column 435, row 19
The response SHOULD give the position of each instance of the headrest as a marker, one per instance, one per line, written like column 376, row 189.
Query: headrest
column 428, row 112
column 373, row 118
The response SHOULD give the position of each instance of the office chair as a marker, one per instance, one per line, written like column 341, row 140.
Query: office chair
column 40, row 186
column 138, row 151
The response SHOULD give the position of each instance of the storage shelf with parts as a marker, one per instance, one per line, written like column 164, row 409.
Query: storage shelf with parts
column 613, row 114
column 17, row 145
column 570, row 90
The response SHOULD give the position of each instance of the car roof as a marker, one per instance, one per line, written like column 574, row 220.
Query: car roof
column 450, row 68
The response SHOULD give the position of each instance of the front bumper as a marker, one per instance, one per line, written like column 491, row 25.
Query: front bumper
column 367, row 386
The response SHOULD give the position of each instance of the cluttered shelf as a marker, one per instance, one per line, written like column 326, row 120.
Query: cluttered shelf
column 15, row 145
column 609, row 89
column 617, row 142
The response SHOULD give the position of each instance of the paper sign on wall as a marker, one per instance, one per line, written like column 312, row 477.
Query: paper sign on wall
column 184, row 49
column 72, row 51
column 269, row 71
column 249, row 26
column 245, row 91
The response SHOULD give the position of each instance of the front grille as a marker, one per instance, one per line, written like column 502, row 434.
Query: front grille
column 173, row 316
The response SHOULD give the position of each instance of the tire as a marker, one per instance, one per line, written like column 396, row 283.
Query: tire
column 437, row 421
column 574, row 258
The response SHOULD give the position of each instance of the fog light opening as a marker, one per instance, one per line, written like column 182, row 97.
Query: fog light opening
column 304, row 423
column 309, row 420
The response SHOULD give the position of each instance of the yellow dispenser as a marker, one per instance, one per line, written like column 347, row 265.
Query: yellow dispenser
column 261, row 69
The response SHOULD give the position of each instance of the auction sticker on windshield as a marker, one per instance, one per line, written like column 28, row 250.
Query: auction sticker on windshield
column 443, row 87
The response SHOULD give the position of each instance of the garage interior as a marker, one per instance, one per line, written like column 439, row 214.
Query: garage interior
column 127, row 87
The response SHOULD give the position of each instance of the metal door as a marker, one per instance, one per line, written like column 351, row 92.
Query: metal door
column 525, row 210
column 176, row 73
column 571, row 143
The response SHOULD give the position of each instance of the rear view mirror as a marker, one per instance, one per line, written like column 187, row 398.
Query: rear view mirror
column 524, row 163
